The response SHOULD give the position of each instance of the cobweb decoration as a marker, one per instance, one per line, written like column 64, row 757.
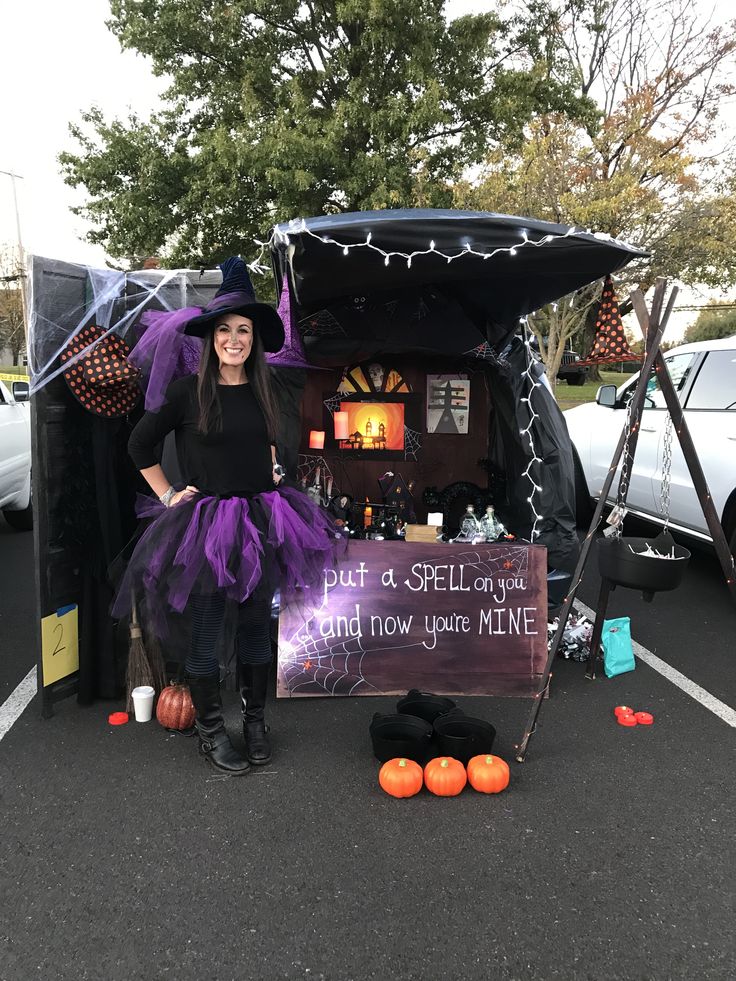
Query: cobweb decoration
column 321, row 324
column 334, row 668
column 307, row 465
column 310, row 663
column 412, row 443
column 484, row 352
column 332, row 404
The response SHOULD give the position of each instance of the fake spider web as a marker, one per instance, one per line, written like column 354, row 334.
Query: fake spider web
column 312, row 664
column 333, row 403
column 484, row 352
column 321, row 324
column 412, row 443
column 307, row 466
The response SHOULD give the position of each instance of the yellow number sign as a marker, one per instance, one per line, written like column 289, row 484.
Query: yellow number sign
column 60, row 644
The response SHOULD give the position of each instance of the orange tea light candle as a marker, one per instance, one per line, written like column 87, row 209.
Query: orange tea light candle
column 644, row 718
column 627, row 720
column 367, row 514
column 622, row 710
column 316, row 439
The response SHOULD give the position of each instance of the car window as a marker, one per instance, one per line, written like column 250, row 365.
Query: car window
column 715, row 385
column 679, row 366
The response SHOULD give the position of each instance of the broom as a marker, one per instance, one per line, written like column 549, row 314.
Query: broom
column 143, row 669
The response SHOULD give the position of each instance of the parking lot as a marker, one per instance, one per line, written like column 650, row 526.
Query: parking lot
column 609, row 856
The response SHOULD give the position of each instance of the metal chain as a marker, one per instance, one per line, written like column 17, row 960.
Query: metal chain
column 664, row 492
column 623, row 482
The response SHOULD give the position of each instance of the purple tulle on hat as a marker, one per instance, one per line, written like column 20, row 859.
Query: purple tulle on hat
column 165, row 353
column 292, row 353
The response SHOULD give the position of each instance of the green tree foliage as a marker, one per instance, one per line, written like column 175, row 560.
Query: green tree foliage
column 646, row 170
column 716, row 321
column 285, row 108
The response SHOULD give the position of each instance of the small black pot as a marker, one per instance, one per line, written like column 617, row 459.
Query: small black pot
column 401, row 735
column 618, row 563
column 462, row 737
column 424, row 705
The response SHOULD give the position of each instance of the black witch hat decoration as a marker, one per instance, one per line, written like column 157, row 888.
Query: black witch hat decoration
column 610, row 345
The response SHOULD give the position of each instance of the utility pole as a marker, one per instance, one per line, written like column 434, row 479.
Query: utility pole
column 21, row 254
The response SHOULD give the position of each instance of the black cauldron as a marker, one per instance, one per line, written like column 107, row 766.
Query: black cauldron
column 620, row 561
column 424, row 705
column 462, row 737
column 401, row 735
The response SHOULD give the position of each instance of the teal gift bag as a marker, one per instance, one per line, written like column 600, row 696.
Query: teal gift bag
column 618, row 654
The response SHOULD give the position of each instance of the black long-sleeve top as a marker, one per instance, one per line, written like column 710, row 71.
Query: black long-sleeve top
column 235, row 461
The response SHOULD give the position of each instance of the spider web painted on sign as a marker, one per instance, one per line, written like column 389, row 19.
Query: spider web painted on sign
column 317, row 665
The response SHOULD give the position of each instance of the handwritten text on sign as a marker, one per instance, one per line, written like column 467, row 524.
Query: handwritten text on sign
column 451, row 618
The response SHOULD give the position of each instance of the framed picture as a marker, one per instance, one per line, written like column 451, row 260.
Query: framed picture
column 448, row 404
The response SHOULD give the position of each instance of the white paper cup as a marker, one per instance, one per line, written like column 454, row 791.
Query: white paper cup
column 143, row 703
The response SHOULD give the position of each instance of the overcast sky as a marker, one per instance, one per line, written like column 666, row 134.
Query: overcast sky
column 55, row 60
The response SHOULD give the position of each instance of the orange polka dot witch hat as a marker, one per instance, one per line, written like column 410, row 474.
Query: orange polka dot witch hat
column 102, row 379
column 610, row 345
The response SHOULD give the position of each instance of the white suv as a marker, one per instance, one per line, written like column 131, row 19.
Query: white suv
column 704, row 376
column 15, row 456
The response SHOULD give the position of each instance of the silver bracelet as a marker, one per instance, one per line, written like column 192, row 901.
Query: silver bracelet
column 166, row 497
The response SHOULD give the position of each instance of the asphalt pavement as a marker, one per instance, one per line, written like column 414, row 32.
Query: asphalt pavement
column 610, row 856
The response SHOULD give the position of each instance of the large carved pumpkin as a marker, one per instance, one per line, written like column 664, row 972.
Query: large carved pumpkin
column 175, row 709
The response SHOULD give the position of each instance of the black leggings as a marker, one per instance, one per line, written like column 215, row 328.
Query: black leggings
column 253, row 637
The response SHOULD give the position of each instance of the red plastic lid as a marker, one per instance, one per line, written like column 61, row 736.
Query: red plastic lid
column 644, row 718
column 117, row 718
column 623, row 710
column 627, row 720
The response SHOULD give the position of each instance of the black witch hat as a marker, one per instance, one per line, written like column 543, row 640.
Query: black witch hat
column 236, row 295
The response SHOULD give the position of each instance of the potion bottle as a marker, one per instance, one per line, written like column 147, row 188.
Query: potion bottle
column 491, row 527
column 470, row 526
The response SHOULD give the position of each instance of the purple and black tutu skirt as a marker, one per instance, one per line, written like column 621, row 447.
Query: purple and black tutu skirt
column 242, row 547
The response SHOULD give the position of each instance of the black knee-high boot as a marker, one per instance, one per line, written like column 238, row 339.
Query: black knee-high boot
column 253, row 698
column 214, row 742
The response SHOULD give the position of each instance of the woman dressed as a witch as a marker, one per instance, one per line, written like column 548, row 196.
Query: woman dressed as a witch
column 234, row 534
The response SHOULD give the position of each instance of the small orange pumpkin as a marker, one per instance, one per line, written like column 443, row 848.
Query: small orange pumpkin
column 401, row 777
column 488, row 774
column 445, row 776
column 175, row 709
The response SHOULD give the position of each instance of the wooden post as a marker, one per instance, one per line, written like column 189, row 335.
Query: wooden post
column 657, row 329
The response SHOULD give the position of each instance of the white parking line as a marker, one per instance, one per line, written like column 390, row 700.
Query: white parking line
column 15, row 704
column 713, row 704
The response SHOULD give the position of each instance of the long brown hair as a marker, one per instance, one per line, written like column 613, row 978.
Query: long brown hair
column 258, row 374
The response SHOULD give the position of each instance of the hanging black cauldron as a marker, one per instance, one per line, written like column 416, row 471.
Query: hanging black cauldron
column 622, row 562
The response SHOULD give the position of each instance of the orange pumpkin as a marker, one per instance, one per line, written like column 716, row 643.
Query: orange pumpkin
column 445, row 776
column 488, row 774
column 175, row 709
column 401, row 778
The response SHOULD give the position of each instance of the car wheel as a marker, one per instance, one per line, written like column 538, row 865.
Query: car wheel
column 583, row 500
column 20, row 520
column 577, row 380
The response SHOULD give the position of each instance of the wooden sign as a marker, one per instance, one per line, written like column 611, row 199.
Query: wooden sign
column 60, row 644
column 449, row 618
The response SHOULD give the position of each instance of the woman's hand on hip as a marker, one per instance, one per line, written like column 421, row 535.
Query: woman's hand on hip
column 183, row 495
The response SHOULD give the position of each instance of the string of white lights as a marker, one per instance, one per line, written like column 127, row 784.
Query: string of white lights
column 527, row 431
column 298, row 226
